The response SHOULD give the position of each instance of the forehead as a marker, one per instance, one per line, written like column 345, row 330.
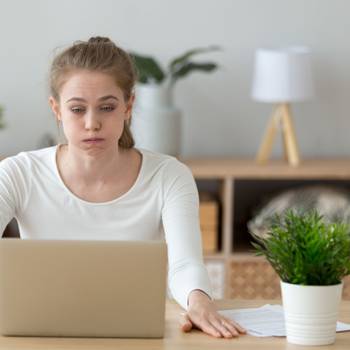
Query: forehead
column 89, row 84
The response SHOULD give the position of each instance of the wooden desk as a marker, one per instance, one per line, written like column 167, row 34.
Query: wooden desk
column 175, row 339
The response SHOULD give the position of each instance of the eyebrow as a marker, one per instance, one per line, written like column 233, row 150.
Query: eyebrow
column 103, row 98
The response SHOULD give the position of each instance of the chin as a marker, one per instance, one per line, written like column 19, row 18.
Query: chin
column 98, row 147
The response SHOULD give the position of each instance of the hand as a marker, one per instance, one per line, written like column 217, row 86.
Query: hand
column 202, row 314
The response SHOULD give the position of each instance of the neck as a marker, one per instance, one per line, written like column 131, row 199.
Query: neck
column 90, row 168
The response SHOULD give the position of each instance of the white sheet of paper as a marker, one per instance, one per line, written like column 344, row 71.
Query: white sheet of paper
column 266, row 321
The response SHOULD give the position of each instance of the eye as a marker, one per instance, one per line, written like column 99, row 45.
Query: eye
column 77, row 109
column 107, row 108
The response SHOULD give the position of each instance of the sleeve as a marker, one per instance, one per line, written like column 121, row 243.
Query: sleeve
column 180, row 216
column 13, row 188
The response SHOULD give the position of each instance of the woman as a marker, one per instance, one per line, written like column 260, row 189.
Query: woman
column 99, row 186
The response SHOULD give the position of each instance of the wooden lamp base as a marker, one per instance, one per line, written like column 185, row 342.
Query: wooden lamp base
column 281, row 117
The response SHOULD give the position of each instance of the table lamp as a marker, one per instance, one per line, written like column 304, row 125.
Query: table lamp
column 282, row 76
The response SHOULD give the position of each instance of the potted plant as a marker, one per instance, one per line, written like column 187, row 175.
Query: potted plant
column 311, row 256
column 156, row 121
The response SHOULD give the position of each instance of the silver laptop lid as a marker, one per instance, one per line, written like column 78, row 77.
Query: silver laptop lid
column 82, row 288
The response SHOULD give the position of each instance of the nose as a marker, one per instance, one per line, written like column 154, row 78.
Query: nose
column 92, row 122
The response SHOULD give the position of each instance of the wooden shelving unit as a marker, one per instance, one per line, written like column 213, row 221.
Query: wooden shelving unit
column 229, row 174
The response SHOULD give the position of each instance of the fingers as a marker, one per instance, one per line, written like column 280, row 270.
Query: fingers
column 236, row 325
column 210, row 329
column 205, row 326
column 226, row 329
column 185, row 323
column 220, row 327
column 213, row 324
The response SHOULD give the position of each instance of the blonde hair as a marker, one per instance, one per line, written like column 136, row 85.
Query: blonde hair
column 97, row 54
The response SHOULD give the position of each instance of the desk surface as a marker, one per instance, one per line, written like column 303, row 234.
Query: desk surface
column 175, row 339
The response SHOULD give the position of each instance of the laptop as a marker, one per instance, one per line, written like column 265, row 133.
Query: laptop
column 65, row 288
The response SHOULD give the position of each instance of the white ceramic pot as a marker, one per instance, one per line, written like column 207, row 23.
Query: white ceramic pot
column 311, row 313
column 156, row 123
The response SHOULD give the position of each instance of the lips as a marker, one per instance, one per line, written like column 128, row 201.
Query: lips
column 93, row 140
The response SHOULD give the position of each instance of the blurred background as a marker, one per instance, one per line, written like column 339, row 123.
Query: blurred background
column 219, row 116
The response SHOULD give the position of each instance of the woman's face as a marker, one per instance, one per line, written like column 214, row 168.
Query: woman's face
column 92, row 110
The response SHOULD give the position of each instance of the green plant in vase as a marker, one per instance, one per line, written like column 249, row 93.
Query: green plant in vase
column 157, row 122
column 305, row 250
column 150, row 70
column 311, row 257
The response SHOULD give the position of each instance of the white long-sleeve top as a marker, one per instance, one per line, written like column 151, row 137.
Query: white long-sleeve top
column 162, row 203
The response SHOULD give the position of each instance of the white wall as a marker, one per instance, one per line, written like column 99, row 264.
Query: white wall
column 219, row 116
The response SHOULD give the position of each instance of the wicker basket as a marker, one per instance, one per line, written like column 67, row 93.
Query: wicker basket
column 254, row 278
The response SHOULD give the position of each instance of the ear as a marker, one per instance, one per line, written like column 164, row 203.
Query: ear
column 55, row 107
column 129, row 106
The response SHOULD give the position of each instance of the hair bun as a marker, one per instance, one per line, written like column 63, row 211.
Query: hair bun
column 99, row 40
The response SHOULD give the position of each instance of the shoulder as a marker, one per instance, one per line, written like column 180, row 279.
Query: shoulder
column 167, row 166
column 172, row 177
column 25, row 162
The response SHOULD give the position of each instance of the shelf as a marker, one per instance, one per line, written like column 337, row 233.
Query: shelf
column 211, row 168
column 244, row 255
column 217, row 256
column 234, row 255
column 240, row 185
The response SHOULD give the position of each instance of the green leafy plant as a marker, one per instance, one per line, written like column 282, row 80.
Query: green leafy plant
column 2, row 124
column 150, row 71
column 304, row 249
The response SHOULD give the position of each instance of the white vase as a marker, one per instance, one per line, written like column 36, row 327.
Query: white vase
column 156, row 122
column 311, row 313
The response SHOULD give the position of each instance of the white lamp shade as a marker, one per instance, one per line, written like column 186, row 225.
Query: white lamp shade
column 282, row 75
